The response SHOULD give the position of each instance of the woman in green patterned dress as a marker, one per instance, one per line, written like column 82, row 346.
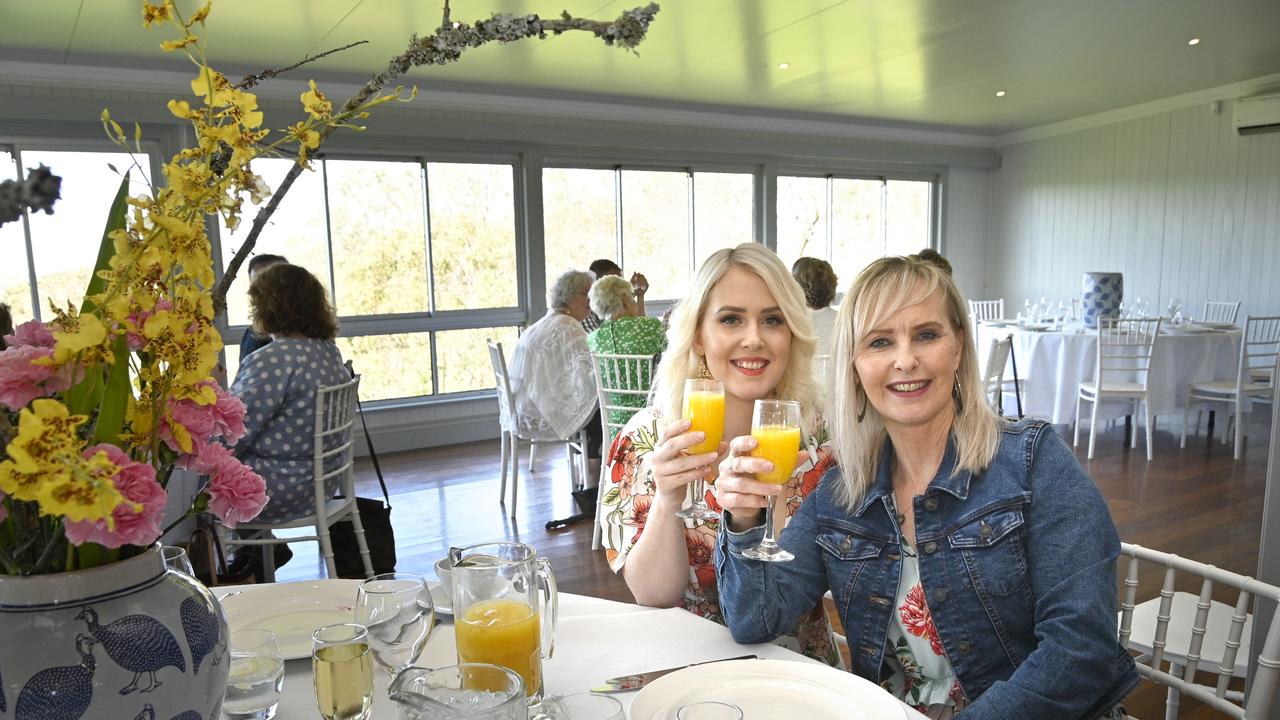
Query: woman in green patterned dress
column 625, row 331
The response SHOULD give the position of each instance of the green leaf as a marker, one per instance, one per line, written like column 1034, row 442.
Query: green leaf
column 115, row 396
column 107, row 248
column 82, row 398
column 611, row 497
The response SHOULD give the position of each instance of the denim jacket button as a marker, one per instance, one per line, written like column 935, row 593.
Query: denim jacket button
column 846, row 544
column 963, row 646
column 985, row 529
column 939, row 594
column 880, row 600
column 931, row 504
column 930, row 547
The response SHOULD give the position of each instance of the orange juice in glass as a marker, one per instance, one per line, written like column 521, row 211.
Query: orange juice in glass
column 502, row 632
column 775, row 424
column 704, row 409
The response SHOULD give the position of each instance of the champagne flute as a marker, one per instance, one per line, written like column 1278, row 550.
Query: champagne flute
column 397, row 611
column 775, row 424
column 704, row 408
column 342, row 666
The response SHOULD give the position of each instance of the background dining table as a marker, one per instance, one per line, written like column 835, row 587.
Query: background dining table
column 595, row 640
column 1053, row 363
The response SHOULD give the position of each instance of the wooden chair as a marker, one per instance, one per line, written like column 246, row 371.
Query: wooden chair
column 335, row 413
column 1220, row 312
column 986, row 309
column 1124, row 353
column 1178, row 634
column 1259, row 355
column 618, row 378
column 993, row 377
column 511, row 437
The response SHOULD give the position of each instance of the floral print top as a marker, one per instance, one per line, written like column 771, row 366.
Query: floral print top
column 628, row 494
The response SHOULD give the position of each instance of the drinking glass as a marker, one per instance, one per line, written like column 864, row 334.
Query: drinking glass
column 709, row 711
column 1028, row 310
column 581, row 706
column 470, row 691
column 255, row 677
column 175, row 558
column 704, row 407
column 775, row 424
column 397, row 611
column 342, row 668
column 1175, row 306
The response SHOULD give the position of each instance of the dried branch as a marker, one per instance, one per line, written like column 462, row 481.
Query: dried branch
column 446, row 46
column 254, row 79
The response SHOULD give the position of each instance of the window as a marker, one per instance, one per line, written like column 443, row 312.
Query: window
column 419, row 257
column 662, row 223
column 64, row 245
column 850, row 222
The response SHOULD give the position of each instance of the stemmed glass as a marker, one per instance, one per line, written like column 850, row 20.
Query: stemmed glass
column 175, row 558
column 709, row 711
column 397, row 611
column 580, row 706
column 342, row 665
column 256, row 676
column 775, row 424
column 704, row 408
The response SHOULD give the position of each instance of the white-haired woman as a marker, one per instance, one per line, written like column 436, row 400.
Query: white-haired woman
column 551, row 373
column 624, row 330
column 972, row 560
column 745, row 323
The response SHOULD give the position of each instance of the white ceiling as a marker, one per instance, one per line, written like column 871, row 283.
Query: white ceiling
column 917, row 63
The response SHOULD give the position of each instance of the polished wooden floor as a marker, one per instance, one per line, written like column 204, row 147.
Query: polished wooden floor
column 1196, row 502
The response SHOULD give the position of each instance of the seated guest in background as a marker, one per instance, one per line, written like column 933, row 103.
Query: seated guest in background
column 972, row 561
column 278, row 384
column 252, row 341
column 551, row 374
column 608, row 268
column 745, row 323
column 624, row 331
column 934, row 257
column 818, row 280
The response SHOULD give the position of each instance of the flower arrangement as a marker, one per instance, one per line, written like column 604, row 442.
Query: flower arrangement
column 99, row 405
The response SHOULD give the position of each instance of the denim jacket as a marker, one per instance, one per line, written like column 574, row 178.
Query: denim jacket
column 1017, row 564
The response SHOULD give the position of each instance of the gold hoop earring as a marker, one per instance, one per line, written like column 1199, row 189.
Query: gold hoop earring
column 956, row 395
column 862, row 411
column 703, row 372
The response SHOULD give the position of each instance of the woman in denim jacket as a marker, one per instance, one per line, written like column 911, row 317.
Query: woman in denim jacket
column 972, row 561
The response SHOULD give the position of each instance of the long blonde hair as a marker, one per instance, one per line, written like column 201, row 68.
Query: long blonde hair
column 680, row 361
column 883, row 288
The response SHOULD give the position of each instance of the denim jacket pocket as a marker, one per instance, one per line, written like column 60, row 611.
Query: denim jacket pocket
column 990, row 546
column 845, row 553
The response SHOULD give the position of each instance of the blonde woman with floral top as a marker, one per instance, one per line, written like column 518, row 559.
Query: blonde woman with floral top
column 745, row 324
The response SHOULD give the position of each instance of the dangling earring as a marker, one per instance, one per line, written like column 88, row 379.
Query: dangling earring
column 862, row 396
column 703, row 372
column 955, row 395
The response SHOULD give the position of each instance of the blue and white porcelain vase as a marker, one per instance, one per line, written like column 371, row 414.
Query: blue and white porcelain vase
column 1101, row 296
column 130, row 640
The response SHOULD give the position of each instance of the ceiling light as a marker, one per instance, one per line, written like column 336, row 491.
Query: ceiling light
column 1000, row 93
column 1193, row 41
column 784, row 66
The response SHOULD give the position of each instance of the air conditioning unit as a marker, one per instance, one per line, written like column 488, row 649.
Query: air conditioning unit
column 1257, row 114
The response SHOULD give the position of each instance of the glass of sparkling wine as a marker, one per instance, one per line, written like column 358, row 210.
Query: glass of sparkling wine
column 342, row 666
column 397, row 611
column 704, row 408
column 775, row 424
column 256, row 676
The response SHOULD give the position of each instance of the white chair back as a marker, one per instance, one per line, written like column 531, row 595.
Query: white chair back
column 1125, row 348
column 1178, row 674
column 1259, row 352
column 1220, row 312
column 622, row 382
column 993, row 376
column 506, row 399
column 336, row 408
column 987, row 309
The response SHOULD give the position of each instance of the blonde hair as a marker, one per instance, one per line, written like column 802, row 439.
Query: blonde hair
column 883, row 288
column 680, row 361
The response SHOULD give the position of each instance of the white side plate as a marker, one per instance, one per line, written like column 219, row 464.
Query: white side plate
column 292, row 611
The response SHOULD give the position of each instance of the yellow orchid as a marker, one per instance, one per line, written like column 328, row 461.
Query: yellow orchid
column 152, row 14
column 315, row 103
column 82, row 490
column 171, row 45
column 74, row 333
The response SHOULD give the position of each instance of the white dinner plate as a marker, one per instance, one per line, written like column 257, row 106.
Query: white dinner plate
column 998, row 322
column 1036, row 326
column 292, row 611
column 769, row 689
column 438, row 599
column 1216, row 325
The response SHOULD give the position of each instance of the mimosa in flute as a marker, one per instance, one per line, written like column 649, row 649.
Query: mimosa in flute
column 775, row 424
column 704, row 409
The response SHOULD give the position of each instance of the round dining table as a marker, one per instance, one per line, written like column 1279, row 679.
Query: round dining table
column 1053, row 362
column 595, row 640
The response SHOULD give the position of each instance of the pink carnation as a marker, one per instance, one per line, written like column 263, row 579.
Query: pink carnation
column 137, row 482
column 223, row 418
column 137, row 319
column 31, row 333
column 236, row 493
column 23, row 380
column 228, row 413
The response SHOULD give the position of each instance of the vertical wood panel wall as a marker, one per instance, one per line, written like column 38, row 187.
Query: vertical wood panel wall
column 1178, row 202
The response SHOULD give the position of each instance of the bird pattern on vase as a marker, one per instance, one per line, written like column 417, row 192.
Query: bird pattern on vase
column 200, row 625
column 149, row 713
column 60, row 693
column 137, row 643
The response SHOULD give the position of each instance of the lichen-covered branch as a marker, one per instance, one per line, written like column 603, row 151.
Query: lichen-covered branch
column 446, row 46
column 254, row 79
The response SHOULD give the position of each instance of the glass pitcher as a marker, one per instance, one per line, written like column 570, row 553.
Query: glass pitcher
column 500, row 617
column 459, row 692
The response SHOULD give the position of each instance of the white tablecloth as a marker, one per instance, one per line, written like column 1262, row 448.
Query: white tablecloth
column 595, row 640
column 1053, row 364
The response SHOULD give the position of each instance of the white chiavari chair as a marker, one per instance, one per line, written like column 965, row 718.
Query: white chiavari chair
column 993, row 376
column 987, row 309
column 1218, row 311
column 622, row 384
column 1259, row 355
column 1123, row 361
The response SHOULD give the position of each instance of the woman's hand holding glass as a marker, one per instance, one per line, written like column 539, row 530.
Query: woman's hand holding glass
column 674, row 463
column 737, row 489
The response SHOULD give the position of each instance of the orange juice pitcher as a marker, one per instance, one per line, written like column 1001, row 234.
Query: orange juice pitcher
column 505, row 607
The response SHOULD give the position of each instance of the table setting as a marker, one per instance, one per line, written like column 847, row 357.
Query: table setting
column 351, row 649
